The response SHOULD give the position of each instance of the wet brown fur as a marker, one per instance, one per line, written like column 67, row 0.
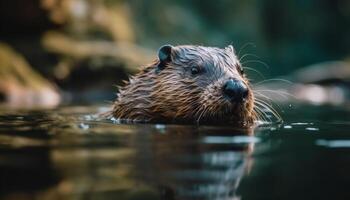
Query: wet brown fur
column 174, row 95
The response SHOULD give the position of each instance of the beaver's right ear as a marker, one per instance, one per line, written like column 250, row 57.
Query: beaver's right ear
column 164, row 53
column 164, row 56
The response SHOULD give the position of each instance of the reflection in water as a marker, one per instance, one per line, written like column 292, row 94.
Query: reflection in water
column 334, row 143
column 66, row 154
column 61, row 155
column 186, row 166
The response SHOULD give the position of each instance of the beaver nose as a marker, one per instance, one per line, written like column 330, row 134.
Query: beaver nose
column 235, row 90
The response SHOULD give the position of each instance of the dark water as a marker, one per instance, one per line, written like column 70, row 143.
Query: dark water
column 67, row 154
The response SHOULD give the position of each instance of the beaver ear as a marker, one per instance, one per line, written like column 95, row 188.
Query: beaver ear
column 231, row 49
column 164, row 53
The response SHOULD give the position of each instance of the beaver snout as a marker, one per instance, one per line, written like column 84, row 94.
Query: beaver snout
column 235, row 90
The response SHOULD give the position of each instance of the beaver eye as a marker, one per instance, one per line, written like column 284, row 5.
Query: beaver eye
column 195, row 70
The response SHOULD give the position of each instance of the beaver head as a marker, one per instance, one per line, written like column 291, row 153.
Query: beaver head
column 189, row 84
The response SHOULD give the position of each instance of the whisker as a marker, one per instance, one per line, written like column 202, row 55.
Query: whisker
column 279, row 92
column 264, row 105
column 254, row 70
column 273, row 79
column 256, row 61
column 200, row 116
column 270, row 103
column 269, row 108
column 259, row 94
column 262, row 114
column 244, row 46
column 256, row 115
column 247, row 54
column 268, row 99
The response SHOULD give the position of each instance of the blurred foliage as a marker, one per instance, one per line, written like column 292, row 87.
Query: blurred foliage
column 284, row 34
column 110, row 37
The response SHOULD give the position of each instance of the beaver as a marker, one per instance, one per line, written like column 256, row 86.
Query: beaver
column 188, row 84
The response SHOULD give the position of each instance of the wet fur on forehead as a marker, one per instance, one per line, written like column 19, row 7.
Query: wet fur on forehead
column 205, row 55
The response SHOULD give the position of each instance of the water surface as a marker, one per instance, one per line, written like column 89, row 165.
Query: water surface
column 67, row 153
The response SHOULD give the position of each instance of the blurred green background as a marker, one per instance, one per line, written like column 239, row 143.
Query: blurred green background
column 68, row 41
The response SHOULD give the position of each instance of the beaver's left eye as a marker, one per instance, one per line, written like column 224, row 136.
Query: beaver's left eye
column 195, row 70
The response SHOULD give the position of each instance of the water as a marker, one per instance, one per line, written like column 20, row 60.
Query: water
column 68, row 154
